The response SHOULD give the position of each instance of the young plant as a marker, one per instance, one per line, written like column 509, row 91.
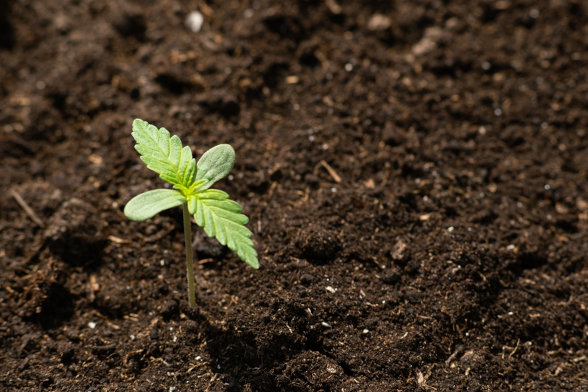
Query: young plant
column 212, row 209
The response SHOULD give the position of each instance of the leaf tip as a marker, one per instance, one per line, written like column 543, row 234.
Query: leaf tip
column 139, row 123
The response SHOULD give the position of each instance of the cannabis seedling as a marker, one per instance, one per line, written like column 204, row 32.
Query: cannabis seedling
column 212, row 209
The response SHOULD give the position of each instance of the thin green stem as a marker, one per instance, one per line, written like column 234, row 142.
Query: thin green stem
column 189, row 262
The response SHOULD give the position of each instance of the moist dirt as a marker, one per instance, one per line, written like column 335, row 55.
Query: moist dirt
column 415, row 172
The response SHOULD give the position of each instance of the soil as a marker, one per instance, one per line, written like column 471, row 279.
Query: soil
column 415, row 172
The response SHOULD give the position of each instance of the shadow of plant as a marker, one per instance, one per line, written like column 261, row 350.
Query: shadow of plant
column 251, row 361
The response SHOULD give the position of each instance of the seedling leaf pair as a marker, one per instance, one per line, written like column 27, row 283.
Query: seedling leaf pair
column 212, row 209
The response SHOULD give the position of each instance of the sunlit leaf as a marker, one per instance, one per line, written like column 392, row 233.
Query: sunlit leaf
column 221, row 218
column 215, row 164
column 164, row 154
column 150, row 203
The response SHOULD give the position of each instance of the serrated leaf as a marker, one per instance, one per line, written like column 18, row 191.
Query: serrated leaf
column 215, row 164
column 150, row 203
column 221, row 218
column 164, row 154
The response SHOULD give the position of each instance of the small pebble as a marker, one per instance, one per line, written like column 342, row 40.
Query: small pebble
column 379, row 22
column 194, row 21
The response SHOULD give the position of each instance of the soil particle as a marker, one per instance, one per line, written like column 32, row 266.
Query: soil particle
column 318, row 246
column 313, row 371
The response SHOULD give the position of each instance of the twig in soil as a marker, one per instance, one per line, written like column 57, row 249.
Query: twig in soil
column 40, row 242
column 157, row 236
column 331, row 171
column 422, row 380
column 333, row 6
column 515, row 349
column 117, row 240
column 23, row 204
column 34, row 253
column 458, row 350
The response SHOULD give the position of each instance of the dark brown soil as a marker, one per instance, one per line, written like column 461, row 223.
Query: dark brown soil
column 416, row 174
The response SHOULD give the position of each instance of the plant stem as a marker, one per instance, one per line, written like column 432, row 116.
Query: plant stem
column 189, row 262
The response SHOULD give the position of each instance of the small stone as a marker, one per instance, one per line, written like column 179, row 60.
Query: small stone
column 379, row 22
column 398, row 250
column 194, row 21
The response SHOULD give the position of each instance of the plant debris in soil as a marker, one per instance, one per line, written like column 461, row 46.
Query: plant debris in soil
column 416, row 174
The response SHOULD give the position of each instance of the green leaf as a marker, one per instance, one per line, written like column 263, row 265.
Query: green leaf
column 164, row 154
column 221, row 218
column 148, row 204
column 215, row 164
